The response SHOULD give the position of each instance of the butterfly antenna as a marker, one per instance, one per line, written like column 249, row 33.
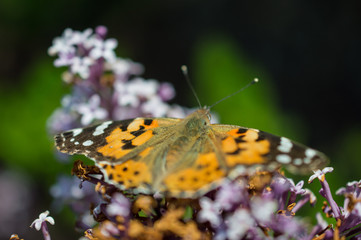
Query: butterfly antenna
column 236, row 92
column 185, row 72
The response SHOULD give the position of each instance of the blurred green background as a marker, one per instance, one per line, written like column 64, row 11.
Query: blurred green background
column 305, row 53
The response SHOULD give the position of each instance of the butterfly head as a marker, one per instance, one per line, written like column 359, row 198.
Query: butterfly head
column 198, row 122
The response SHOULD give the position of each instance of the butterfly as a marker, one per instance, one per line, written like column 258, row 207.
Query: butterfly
column 183, row 158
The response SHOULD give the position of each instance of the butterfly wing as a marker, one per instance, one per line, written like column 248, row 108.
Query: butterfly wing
column 123, row 150
column 154, row 155
column 227, row 151
column 251, row 147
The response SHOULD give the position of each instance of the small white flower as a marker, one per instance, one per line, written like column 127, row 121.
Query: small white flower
column 357, row 209
column 91, row 110
column 109, row 229
column 229, row 194
column 133, row 92
column 238, row 224
column 61, row 45
column 104, row 49
column 81, row 66
column 166, row 91
column 122, row 68
column 263, row 209
column 119, row 66
column 155, row 106
column 64, row 59
column 80, row 37
column 210, row 212
column 297, row 188
column 176, row 111
column 143, row 88
column 43, row 217
column 120, row 206
column 320, row 174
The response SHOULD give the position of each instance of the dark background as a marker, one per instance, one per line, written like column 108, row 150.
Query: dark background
column 305, row 53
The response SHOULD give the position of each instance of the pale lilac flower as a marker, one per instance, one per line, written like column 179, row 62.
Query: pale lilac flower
column 123, row 69
column 210, row 212
column 289, row 227
column 353, row 188
column 62, row 44
column 155, row 106
column 120, row 67
column 357, row 209
column 104, row 49
column 166, row 91
column 297, row 189
column 91, row 111
column 280, row 190
column 109, row 229
column 142, row 88
column 121, row 113
column 230, row 194
column 119, row 206
column 238, row 224
column 81, row 66
column 263, row 209
column 176, row 111
column 320, row 174
column 65, row 59
column 101, row 31
column 136, row 91
column 351, row 211
column 43, row 217
column 78, row 38
column 325, row 190
column 308, row 196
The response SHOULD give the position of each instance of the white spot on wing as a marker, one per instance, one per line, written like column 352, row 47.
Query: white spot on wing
column 72, row 140
column 307, row 160
column 76, row 143
column 100, row 129
column 285, row 145
column 283, row 158
column 88, row 143
column 77, row 131
column 310, row 153
column 297, row 161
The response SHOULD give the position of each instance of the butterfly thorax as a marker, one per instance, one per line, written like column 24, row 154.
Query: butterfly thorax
column 192, row 132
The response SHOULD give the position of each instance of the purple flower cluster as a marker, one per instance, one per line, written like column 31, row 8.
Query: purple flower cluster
column 104, row 86
column 237, row 213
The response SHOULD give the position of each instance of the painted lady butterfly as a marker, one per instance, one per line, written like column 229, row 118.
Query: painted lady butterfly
column 182, row 157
